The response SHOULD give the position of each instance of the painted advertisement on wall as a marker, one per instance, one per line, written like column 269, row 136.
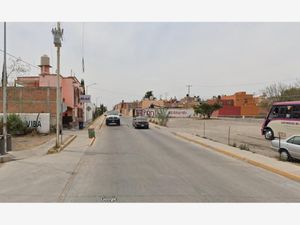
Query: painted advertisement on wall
column 42, row 123
column 172, row 112
column 180, row 113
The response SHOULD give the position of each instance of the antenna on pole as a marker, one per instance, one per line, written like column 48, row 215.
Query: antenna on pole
column 82, row 46
column 189, row 89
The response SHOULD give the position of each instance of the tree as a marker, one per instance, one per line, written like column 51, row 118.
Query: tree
column 149, row 94
column 82, row 85
column 103, row 109
column 16, row 68
column 279, row 92
column 206, row 110
column 291, row 94
column 100, row 110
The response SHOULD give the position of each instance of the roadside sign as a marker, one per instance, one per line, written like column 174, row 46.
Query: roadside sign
column 85, row 98
column 282, row 134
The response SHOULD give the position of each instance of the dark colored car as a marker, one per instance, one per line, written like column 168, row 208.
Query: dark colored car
column 140, row 122
column 112, row 119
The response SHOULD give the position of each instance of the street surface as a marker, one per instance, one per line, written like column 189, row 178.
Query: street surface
column 135, row 165
column 129, row 165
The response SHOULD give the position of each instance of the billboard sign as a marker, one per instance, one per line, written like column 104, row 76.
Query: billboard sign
column 180, row 113
column 85, row 98
column 172, row 112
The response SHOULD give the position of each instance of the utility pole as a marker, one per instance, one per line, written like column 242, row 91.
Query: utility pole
column 4, row 85
column 57, row 35
column 189, row 89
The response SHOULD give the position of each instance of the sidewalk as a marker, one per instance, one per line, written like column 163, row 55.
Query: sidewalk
column 286, row 169
column 43, row 149
column 44, row 177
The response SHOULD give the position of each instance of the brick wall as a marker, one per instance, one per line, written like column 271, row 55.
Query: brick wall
column 31, row 100
column 245, row 101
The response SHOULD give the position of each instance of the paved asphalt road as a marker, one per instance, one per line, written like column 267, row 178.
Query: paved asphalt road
column 134, row 165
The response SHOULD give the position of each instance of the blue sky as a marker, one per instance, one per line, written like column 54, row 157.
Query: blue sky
column 127, row 59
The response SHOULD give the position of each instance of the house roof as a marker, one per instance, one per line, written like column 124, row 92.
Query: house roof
column 287, row 103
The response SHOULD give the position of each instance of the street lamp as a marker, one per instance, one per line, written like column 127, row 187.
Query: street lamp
column 57, row 35
column 86, row 92
column 97, row 101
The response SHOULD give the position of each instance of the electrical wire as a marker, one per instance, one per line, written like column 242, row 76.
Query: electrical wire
column 18, row 58
column 114, row 92
column 243, row 84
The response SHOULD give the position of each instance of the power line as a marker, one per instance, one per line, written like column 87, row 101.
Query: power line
column 243, row 84
column 18, row 58
column 115, row 92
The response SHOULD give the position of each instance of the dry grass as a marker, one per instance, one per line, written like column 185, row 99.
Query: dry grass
column 29, row 141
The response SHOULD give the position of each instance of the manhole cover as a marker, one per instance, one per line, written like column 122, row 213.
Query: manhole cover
column 108, row 198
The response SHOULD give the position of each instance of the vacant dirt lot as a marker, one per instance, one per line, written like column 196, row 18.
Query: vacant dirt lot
column 242, row 131
column 28, row 141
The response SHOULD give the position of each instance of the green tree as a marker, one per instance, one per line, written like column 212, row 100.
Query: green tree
column 100, row 110
column 206, row 110
column 148, row 95
column 103, row 109
column 82, row 85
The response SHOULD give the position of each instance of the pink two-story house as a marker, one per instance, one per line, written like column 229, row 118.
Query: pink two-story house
column 71, row 90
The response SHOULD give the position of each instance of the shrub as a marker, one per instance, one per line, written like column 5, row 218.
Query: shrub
column 162, row 116
column 244, row 147
column 15, row 125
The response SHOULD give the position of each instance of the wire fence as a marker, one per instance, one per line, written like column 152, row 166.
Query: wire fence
column 244, row 134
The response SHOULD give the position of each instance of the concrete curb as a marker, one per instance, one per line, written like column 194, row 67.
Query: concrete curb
column 237, row 156
column 157, row 126
column 6, row 158
column 100, row 126
column 93, row 123
column 92, row 141
column 62, row 147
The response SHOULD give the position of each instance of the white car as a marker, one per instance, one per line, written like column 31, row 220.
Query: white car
column 288, row 148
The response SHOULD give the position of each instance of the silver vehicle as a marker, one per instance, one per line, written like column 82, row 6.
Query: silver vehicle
column 288, row 148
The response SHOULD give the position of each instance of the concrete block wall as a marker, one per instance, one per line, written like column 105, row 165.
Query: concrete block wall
column 31, row 100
